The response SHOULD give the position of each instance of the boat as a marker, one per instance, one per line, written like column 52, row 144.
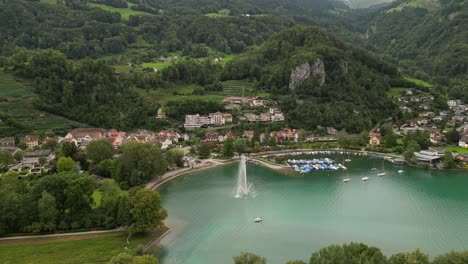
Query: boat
column 347, row 160
column 373, row 169
column 401, row 171
column 258, row 220
column 381, row 174
column 346, row 180
column 365, row 178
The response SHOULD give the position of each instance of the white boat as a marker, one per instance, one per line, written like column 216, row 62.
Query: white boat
column 365, row 178
column 346, row 180
column 347, row 160
column 400, row 171
column 373, row 169
column 381, row 174
column 258, row 219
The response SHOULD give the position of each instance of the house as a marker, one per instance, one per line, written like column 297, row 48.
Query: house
column 7, row 142
column 248, row 134
column 33, row 157
column 85, row 135
column 234, row 100
column 227, row 118
column 453, row 103
column 211, row 137
column 428, row 155
column 31, row 140
column 277, row 117
column 196, row 121
column 160, row 113
column 166, row 143
column 331, row 131
column 257, row 102
column 375, row 139
column 463, row 142
column 216, row 119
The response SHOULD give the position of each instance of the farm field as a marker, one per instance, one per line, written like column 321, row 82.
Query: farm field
column 17, row 98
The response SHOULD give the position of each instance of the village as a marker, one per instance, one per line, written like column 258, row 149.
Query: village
column 33, row 154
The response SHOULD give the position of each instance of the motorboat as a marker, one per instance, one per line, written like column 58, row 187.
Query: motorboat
column 373, row 169
column 381, row 174
column 347, row 160
column 258, row 220
column 401, row 171
column 346, row 180
column 365, row 178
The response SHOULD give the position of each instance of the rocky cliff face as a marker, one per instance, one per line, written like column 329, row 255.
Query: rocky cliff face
column 306, row 71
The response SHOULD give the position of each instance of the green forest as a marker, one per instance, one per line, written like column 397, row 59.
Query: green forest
column 91, row 62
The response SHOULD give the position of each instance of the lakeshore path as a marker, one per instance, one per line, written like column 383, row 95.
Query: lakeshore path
column 120, row 229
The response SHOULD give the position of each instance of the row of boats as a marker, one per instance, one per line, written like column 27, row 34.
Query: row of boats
column 366, row 178
column 307, row 165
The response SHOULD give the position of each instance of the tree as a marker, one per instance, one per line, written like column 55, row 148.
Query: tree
column 99, row 150
column 68, row 149
column 125, row 258
column 176, row 156
column 296, row 262
column 139, row 163
column 47, row 209
column 449, row 161
column 390, row 140
column 18, row 155
column 415, row 257
column 6, row 158
column 386, row 129
column 22, row 145
column 65, row 164
column 343, row 254
column 147, row 211
column 452, row 258
column 452, row 136
column 204, row 151
column 240, row 145
column 228, row 148
column 249, row 258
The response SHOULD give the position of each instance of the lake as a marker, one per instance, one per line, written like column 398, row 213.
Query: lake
column 305, row 212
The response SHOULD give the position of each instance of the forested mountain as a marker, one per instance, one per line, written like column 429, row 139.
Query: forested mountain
column 80, row 30
column 332, row 83
column 428, row 39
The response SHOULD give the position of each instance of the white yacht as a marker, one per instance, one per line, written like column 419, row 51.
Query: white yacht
column 365, row 178
column 258, row 219
column 346, row 180
column 401, row 171
column 381, row 174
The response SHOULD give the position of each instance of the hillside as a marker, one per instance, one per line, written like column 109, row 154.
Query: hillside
column 427, row 38
column 333, row 83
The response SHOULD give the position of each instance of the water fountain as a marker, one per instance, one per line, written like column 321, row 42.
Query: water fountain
column 243, row 187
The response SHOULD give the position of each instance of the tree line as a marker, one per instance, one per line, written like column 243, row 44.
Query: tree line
column 354, row 253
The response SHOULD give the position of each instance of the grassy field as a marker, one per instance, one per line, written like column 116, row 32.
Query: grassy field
column 52, row 2
column 68, row 250
column 394, row 92
column 426, row 4
column 124, row 12
column 458, row 150
column 419, row 82
column 17, row 101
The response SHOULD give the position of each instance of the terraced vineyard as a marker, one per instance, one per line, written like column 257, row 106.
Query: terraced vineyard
column 17, row 102
column 234, row 88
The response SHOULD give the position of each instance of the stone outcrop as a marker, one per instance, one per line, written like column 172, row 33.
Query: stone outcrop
column 307, row 71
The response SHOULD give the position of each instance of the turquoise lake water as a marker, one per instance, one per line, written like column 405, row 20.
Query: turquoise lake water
column 305, row 212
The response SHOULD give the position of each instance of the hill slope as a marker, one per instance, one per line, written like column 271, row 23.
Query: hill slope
column 427, row 37
column 333, row 83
